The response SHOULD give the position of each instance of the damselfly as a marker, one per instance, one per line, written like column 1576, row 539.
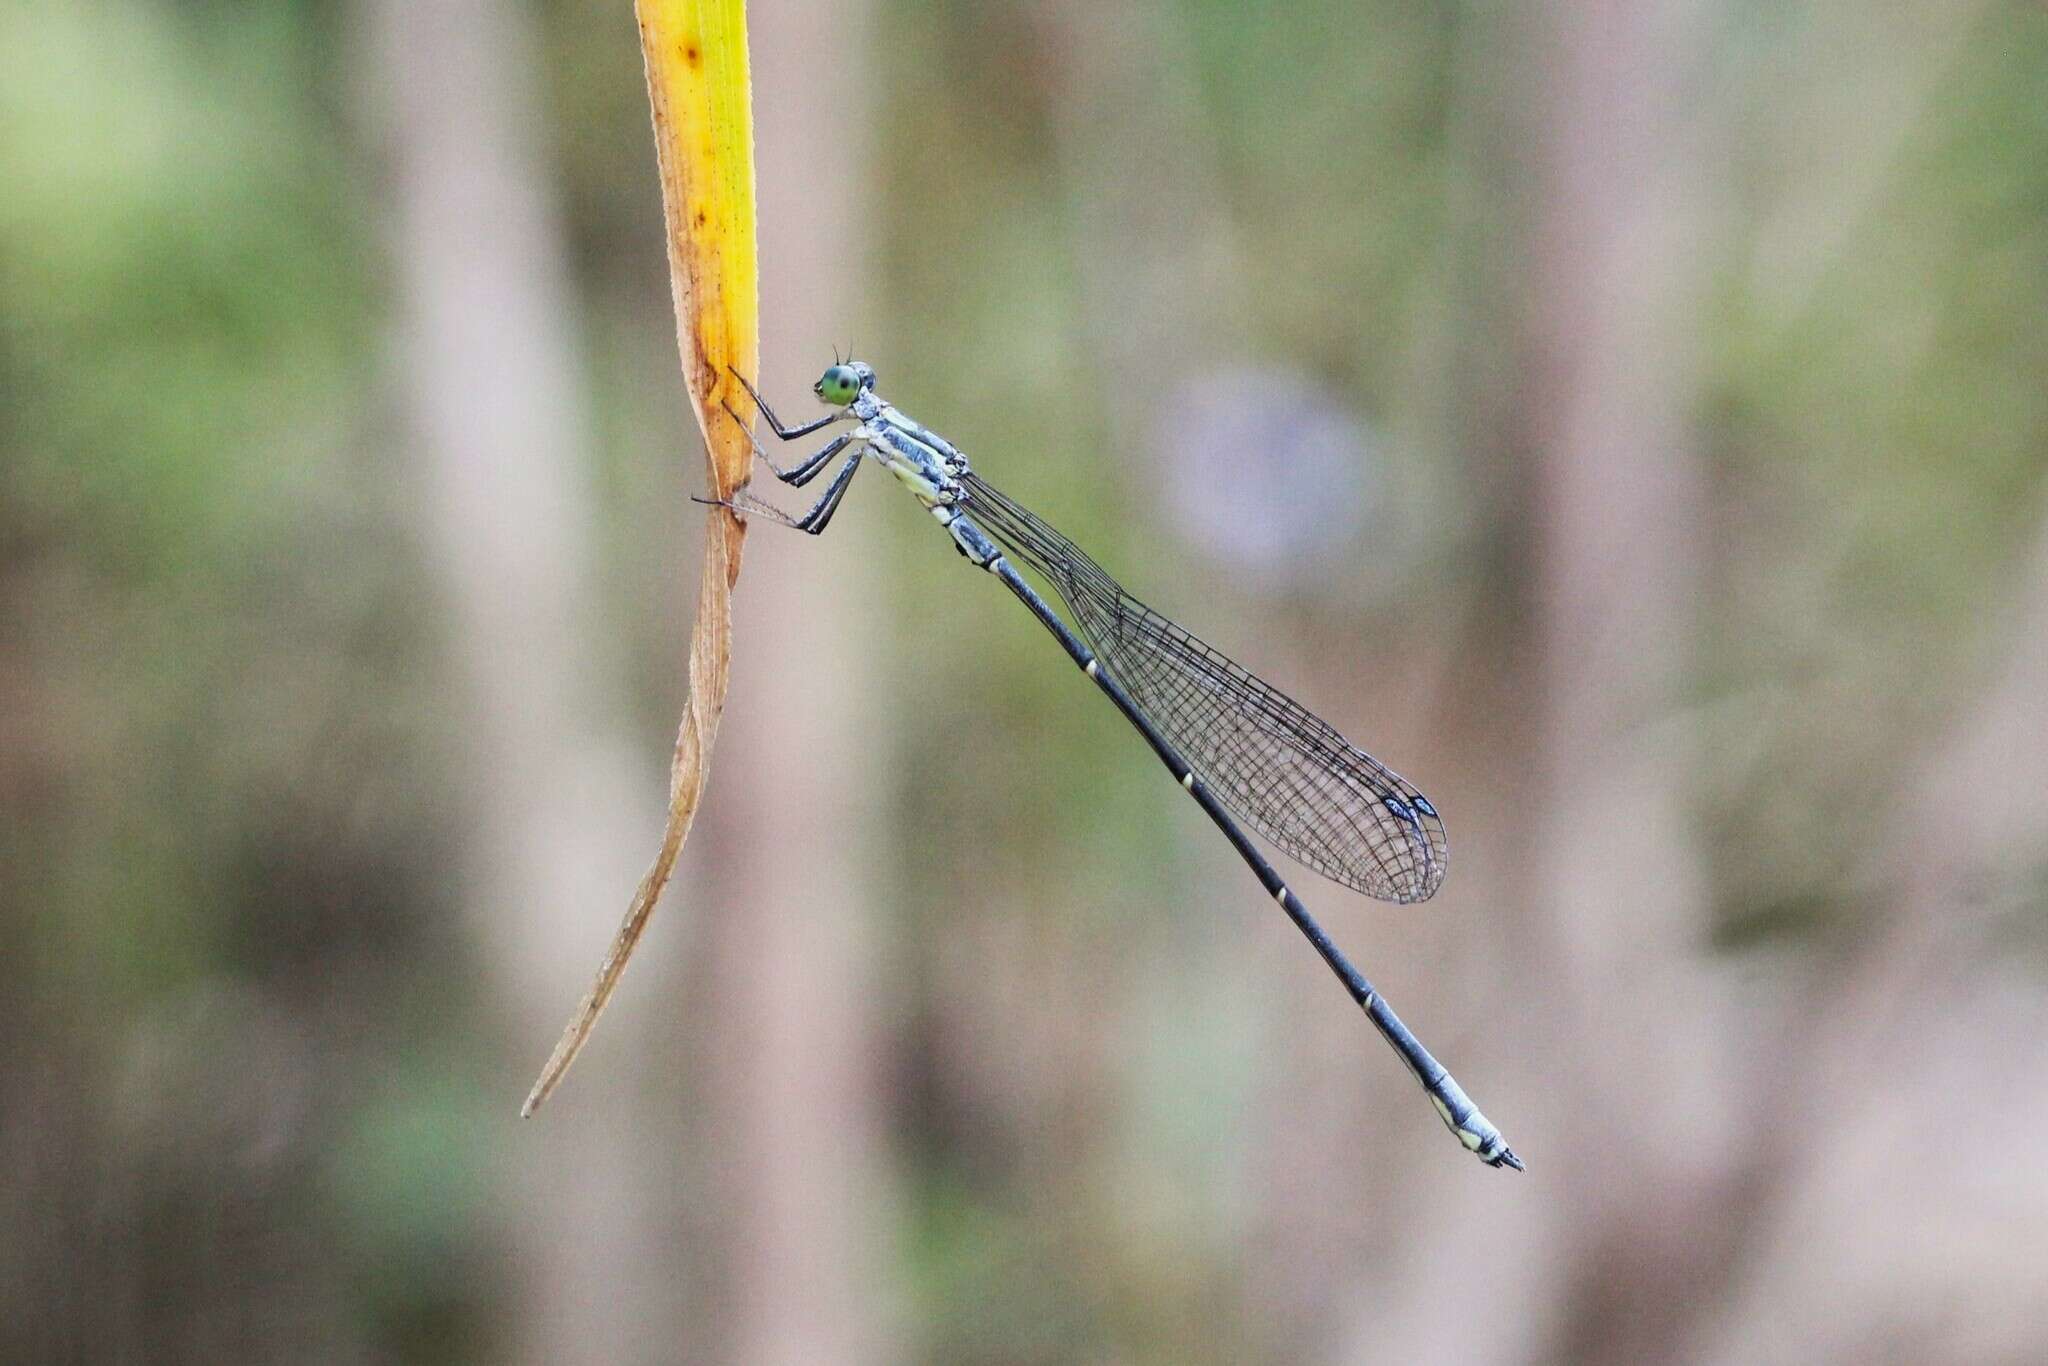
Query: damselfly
column 1242, row 749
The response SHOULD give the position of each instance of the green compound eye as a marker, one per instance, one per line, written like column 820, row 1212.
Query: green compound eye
column 838, row 386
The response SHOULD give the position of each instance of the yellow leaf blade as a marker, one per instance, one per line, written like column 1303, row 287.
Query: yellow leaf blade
column 695, row 54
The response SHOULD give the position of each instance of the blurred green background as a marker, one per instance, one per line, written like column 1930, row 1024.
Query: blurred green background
column 1628, row 420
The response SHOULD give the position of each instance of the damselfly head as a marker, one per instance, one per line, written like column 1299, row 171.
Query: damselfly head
column 842, row 384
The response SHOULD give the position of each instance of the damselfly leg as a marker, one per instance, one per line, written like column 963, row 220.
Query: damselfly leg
column 819, row 516
column 803, row 472
column 782, row 433
column 815, row 520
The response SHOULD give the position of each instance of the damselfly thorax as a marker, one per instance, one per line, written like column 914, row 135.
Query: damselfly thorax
column 911, row 454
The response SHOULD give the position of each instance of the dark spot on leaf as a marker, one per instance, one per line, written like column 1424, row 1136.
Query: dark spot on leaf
column 690, row 54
